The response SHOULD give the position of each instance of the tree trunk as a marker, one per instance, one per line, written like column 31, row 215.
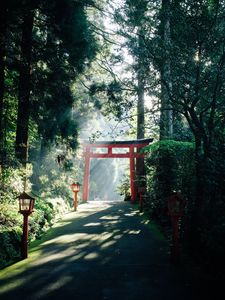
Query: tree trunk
column 198, row 174
column 166, row 117
column 3, row 27
column 24, row 88
column 140, row 170
column 140, row 104
column 197, row 205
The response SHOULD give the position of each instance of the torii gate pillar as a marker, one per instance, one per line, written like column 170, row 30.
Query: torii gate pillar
column 132, row 175
column 86, row 174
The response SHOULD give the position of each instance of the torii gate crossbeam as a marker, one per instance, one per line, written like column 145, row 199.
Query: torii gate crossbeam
column 133, row 151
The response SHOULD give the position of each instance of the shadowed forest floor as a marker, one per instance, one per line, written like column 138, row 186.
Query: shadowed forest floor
column 105, row 251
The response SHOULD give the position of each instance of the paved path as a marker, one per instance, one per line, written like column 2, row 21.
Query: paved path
column 105, row 251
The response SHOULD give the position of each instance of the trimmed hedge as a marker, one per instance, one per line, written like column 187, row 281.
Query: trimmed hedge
column 170, row 166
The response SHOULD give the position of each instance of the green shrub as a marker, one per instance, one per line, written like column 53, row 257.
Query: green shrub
column 56, row 198
column 46, row 212
column 10, row 240
column 170, row 166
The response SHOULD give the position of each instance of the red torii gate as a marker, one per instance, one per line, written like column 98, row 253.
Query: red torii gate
column 133, row 147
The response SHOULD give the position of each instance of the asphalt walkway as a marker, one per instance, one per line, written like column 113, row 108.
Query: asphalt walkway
column 105, row 251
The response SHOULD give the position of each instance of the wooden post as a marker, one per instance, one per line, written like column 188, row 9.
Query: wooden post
column 176, row 205
column 86, row 175
column 75, row 201
column 175, row 251
column 132, row 175
column 24, row 250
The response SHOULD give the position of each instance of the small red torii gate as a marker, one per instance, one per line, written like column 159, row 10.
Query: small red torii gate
column 133, row 146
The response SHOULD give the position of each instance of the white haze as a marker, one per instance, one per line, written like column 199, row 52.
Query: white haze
column 105, row 174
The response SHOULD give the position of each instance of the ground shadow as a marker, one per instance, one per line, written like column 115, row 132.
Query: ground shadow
column 109, row 254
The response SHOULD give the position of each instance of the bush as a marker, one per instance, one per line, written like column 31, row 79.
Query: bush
column 10, row 240
column 46, row 212
column 169, row 168
column 10, row 233
column 56, row 198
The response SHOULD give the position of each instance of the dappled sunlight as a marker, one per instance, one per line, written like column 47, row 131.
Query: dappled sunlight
column 66, row 238
column 14, row 284
column 54, row 256
column 118, row 236
column 19, row 267
column 107, row 244
column 53, row 286
column 95, row 235
column 76, row 257
column 82, row 245
column 131, row 214
column 110, row 217
column 111, row 223
column 116, row 231
column 92, row 255
column 145, row 222
column 125, row 231
column 92, row 224
column 94, row 238
column 105, row 236
column 61, row 224
column 91, row 205
column 134, row 231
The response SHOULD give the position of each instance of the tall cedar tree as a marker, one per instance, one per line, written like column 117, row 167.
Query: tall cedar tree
column 24, row 88
column 74, row 45
column 166, row 114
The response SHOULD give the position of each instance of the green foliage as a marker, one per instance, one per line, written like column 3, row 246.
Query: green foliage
column 10, row 232
column 46, row 212
column 212, row 221
column 169, row 168
column 63, row 46
column 10, row 245
column 12, row 182
column 124, row 187
column 54, row 171
column 109, row 98
column 72, row 27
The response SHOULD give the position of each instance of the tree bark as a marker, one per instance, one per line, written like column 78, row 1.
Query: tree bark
column 140, row 95
column 140, row 170
column 166, row 116
column 24, row 88
column 3, row 28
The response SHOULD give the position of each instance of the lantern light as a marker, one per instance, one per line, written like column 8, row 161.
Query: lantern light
column 26, row 206
column 75, row 187
column 26, row 203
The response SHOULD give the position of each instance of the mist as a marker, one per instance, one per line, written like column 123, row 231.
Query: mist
column 106, row 174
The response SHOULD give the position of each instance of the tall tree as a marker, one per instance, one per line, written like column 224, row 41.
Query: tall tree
column 3, row 27
column 60, row 32
column 24, row 88
column 166, row 114
column 137, row 19
column 198, row 60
